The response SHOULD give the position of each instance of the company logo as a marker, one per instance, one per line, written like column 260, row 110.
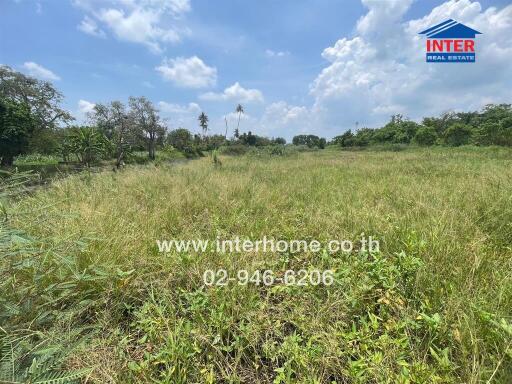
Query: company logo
column 450, row 42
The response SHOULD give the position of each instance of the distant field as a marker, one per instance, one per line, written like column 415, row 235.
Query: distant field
column 434, row 306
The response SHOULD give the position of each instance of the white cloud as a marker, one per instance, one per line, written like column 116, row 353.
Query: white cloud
column 84, row 108
column 40, row 72
column 382, row 70
column 189, row 72
column 180, row 116
column 236, row 93
column 169, row 108
column 283, row 119
column 90, row 27
column 271, row 53
column 153, row 23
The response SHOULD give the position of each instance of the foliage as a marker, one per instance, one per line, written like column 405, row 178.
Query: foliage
column 16, row 125
column 40, row 97
column 425, row 136
column 344, row 140
column 203, row 123
column 180, row 138
column 457, row 134
column 88, row 144
column 216, row 158
column 234, row 150
column 491, row 126
column 147, row 122
column 309, row 140
column 417, row 311
column 114, row 121
column 239, row 110
column 36, row 159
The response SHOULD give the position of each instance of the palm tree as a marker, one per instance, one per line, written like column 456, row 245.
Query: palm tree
column 203, row 122
column 239, row 109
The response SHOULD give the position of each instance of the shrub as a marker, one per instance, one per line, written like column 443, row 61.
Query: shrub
column 234, row 150
column 457, row 134
column 425, row 136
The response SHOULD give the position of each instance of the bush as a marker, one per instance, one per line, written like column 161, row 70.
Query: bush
column 234, row 150
column 425, row 136
column 457, row 134
column 180, row 138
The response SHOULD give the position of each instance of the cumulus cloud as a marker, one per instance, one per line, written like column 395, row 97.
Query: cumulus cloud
column 152, row 23
column 382, row 69
column 170, row 108
column 40, row 72
column 84, row 108
column 283, row 119
column 235, row 93
column 90, row 27
column 189, row 72
column 180, row 115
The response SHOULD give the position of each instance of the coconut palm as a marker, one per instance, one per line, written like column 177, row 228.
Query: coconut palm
column 239, row 109
column 203, row 122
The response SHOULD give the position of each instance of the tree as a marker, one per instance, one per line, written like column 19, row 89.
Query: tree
column 457, row 134
column 236, row 133
column 16, row 125
column 251, row 139
column 117, row 125
column 146, row 119
column 344, row 140
column 279, row 140
column 399, row 131
column 203, row 123
column 180, row 139
column 239, row 109
column 309, row 140
column 41, row 97
column 215, row 142
column 364, row 137
column 426, row 136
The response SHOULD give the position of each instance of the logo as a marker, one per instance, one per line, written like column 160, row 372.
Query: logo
column 450, row 42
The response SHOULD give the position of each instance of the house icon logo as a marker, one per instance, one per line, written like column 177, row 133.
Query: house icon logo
column 450, row 42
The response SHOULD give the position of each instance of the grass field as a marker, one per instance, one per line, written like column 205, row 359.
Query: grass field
column 84, row 275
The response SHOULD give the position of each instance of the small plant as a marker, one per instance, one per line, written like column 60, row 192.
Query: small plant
column 216, row 159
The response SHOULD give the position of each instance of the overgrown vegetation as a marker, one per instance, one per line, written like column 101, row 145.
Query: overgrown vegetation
column 490, row 126
column 83, row 285
column 32, row 125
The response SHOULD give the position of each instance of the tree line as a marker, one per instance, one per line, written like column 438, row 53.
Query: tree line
column 492, row 125
column 32, row 121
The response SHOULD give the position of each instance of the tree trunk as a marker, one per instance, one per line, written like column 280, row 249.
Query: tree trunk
column 151, row 149
column 119, row 159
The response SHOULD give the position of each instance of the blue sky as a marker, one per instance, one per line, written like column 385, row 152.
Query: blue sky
column 296, row 66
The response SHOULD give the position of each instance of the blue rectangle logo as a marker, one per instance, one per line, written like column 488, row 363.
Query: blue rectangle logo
column 443, row 57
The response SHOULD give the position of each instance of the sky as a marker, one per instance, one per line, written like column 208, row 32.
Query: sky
column 297, row 66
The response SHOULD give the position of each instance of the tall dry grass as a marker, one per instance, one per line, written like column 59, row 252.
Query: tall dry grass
column 433, row 306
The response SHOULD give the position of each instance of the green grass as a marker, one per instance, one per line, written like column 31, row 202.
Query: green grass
column 36, row 159
column 434, row 306
column 162, row 156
